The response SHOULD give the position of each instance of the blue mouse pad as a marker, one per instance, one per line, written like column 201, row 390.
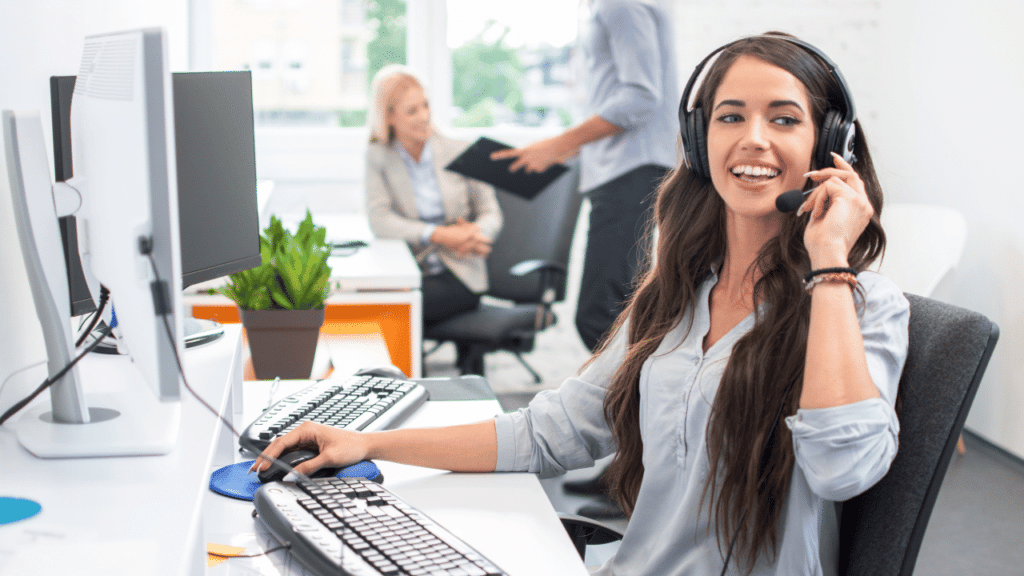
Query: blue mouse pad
column 235, row 481
column 15, row 509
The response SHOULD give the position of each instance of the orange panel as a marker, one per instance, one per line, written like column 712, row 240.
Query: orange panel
column 394, row 321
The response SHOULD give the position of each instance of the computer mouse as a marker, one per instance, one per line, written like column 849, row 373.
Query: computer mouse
column 275, row 473
column 385, row 371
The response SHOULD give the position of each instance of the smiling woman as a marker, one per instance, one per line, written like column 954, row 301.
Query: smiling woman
column 741, row 401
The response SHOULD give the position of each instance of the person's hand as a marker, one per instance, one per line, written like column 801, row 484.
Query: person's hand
column 454, row 235
column 478, row 245
column 840, row 211
column 336, row 447
column 540, row 155
column 462, row 238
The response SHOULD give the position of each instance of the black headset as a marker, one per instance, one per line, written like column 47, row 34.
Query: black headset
column 835, row 134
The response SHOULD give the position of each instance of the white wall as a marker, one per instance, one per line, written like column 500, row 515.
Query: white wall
column 44, row 38
column 950, row 133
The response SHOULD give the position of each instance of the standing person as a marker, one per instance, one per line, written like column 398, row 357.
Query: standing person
column 751, row 382
column 626, row 147
column 448, row 220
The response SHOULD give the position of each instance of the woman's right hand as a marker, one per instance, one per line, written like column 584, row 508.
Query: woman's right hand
column 335, row 447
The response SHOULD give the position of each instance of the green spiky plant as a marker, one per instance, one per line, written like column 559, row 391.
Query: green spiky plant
column 294, row 274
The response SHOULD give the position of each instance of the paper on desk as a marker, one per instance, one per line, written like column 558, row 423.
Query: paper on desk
column 341, row 226
column 278, row 563
column 217, row 553
column 51, row 550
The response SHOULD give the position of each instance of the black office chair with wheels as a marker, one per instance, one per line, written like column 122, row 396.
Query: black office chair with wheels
column 527, row 272
column 880, row 531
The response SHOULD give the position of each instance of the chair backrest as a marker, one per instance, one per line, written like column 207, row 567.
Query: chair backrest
column 924, row 242
column 881, row 530
column 537, row 229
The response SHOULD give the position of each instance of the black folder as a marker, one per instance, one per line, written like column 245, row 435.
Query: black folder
column 476, row 162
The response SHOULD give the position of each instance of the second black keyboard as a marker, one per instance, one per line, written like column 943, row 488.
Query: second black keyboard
column 366, row 403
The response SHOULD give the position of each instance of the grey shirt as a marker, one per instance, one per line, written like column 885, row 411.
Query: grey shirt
column 840, row 451
column 631, row 81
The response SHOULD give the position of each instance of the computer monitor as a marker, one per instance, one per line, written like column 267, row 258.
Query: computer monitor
column 216, row 152
column 124, row 192
column 216, row 168
column 61, row 90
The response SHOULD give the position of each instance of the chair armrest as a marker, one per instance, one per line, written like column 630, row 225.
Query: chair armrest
column 530, row 266
column 583, row 531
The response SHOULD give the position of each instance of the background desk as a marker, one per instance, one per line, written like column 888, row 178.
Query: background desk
column 506, row 517
column 376, row 284
column 124, row 516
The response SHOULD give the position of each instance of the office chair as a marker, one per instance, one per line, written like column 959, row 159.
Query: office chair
column 527, row 272
column 880, row 531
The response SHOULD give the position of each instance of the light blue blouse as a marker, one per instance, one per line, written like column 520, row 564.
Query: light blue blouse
column 429, row 202
column 840, row 451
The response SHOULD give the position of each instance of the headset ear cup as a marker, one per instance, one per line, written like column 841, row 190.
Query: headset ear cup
column 826, row 140
column 699, row 145
column 689, row 144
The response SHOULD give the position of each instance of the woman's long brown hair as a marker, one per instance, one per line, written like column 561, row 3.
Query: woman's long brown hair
column 749, row 450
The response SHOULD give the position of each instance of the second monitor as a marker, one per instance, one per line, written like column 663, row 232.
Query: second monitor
column 216, row 161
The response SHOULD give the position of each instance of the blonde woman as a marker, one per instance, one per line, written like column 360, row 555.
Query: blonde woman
column 448, row 220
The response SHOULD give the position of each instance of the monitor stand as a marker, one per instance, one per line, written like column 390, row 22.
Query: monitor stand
column 199, row 331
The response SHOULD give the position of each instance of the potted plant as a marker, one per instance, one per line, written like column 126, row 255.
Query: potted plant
column 281, row 302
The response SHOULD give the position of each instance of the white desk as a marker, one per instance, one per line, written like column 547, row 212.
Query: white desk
column 376, row 284
column 506, row 517
column 114, row 516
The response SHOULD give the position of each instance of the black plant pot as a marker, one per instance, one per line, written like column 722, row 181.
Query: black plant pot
column 282, row 342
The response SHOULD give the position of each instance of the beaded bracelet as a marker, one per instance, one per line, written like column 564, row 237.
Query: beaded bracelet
column 813, row 273
column 831, row 277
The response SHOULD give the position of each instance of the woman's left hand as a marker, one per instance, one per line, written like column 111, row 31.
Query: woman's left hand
column 840, row 211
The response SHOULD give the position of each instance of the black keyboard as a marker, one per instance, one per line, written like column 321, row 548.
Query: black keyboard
column 366, row 403
column 353, row 526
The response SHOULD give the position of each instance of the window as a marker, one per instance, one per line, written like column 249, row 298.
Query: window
column 510, row 67
column 311, row 59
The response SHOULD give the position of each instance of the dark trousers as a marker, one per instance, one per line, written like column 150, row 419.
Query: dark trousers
column 616, row 245
column 444, row 296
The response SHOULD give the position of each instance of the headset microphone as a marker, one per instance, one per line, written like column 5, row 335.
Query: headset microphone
column 791, row 200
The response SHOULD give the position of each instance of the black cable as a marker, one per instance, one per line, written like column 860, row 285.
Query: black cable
column 743, row 516
column 146, row 249
column 104, row 296
column 49, row 381
column 732, row 542
column 230, row 556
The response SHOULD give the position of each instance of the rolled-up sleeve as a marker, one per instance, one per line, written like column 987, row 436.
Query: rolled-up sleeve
column 562, row 429
column 633, row 37
column 844, row 450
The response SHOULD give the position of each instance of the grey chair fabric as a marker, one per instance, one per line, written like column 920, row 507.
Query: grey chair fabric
column 538, row 230
column 881, row 530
